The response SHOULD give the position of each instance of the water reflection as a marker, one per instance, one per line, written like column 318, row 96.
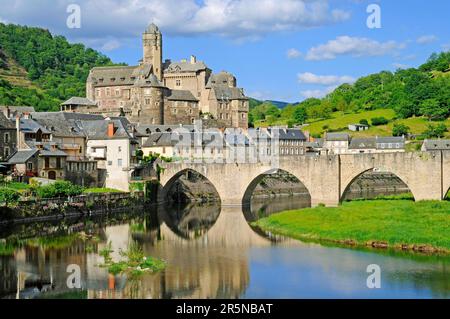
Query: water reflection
column 211, row 252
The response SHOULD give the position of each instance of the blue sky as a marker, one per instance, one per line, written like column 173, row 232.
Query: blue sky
column 278, row 49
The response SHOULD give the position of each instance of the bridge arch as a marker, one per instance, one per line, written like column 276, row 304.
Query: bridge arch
column 349, row 182
column 250, row 188
column 174, row 177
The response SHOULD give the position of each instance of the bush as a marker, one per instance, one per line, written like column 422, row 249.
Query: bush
column 377, row 121
column 9, row 196
column 59, row 189
column 435, row 131
column 364, row 122
column 400, row 130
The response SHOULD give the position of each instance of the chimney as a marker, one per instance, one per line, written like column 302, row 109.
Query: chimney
column 193, row 59
column 111, row 130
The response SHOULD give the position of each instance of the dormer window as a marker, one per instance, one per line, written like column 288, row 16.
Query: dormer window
column 113, row 79
column 122, row 79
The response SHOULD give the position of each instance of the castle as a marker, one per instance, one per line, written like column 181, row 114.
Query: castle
column 157, row 92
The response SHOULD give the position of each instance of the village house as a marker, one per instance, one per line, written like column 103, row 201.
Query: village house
column 336, row 143
column 70, row 138
column 377, row 145
column 114, row 148
column 435, row 145
column 8, row 138
column 37, row 155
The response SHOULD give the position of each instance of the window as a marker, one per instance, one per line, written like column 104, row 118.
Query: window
column 6, row 151
column 6, row 136
column 147, row 101
column 98, row 92
column 243, row 116
column 109, row 163
column 58, row 162
column 119, row 162
column 117, row 92
column 178, row 83
column 30, row 166
column 108, row 92
column 120, row 149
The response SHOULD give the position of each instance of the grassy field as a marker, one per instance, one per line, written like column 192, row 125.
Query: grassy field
column 339, row 121
column 392, row 223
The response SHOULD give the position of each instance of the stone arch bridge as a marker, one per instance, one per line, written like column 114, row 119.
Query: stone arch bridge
column 427, row 174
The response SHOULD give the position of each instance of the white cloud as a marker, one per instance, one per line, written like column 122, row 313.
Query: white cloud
column 400, row 66
column 353, row 46
column 427, row 39
column 293, row 53
column 310, row 78
column 446, row 47
column 111, row 45
column 127, row 18
column 319, row 93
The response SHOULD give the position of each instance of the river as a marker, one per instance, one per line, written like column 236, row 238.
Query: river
column 211, row 252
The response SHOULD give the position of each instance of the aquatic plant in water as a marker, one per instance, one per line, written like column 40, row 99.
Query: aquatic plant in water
column 134, row 263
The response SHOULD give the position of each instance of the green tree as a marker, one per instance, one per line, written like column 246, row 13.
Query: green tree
column 300, row 115
column 435, row 131
column 432, row 109
column 400, row 129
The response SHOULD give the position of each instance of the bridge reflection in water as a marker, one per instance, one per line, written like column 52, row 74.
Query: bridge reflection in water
column 218, row 258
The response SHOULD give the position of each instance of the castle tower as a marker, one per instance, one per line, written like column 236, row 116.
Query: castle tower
column 152, row 42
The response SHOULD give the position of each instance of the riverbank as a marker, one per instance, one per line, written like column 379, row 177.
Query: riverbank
column 398, row 224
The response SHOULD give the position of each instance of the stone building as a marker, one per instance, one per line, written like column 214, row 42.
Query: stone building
column 157, row 93
column 8, row 138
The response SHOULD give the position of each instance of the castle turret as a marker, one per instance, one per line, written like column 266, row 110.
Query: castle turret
column 152, row 42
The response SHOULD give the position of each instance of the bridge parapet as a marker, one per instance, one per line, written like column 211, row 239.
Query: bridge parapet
column 325, row 177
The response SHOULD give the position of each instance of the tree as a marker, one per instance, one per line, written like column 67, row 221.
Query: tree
column 400, row 129
column 377, row 121
column 364, row 122
column 435, row 131
column 432, row 109
column 300, row 115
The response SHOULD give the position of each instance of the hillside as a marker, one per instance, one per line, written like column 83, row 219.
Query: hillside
column 42, row 70
column 418, row 98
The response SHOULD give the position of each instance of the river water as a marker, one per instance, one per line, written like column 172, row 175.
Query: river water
column 211, row 252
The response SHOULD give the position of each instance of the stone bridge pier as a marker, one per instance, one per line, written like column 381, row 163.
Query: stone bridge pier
column 427, row 174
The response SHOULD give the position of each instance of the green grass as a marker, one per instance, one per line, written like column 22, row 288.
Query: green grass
column 394, row 222
column 339, row 121
column 16, row 186
column 101, row 190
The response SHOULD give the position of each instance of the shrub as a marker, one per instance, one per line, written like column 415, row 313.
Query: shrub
column 59, row 189
column 9, row 196
column 364, row 122
column 400, row 129
column 435, row 131
column 377, row 121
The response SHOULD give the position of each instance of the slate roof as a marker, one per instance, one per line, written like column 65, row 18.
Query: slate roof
column 436, row 145
column 145, row 130
column 119, row 75
column 181, row 95
column 31, row 126
column 16, row 110
column 98, row 130
column 5, row 123
column 220, row 78
column 63, row 124
column 79, row 101
column 22, row 156
column 292, row 134
column 363, row 143
column 390, row 139
column 337, row 137
column 181, row 67
column 46, row 148
column 223, row 92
